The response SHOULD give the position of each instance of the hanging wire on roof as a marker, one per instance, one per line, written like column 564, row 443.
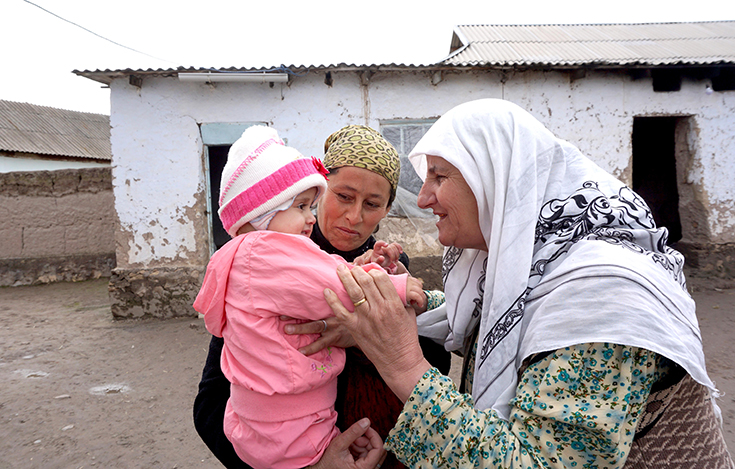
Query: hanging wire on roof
column 99, row 36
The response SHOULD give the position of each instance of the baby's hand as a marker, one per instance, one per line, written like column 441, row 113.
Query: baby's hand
column 363, row 258
column 415, row 295
column 385, row 255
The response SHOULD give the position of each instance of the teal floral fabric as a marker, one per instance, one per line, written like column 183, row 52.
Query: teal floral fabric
column 434, row 299
column 575, row 408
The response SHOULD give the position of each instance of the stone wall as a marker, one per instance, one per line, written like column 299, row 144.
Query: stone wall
column 154, row 293
column 418, row 237
column 56, row 226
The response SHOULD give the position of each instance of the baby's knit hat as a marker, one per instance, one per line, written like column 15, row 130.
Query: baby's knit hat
column 263, row 174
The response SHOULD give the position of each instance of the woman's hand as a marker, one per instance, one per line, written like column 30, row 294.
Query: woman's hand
column 332, row 334
column 359, row 447
column 385, row 255
column 382, row 327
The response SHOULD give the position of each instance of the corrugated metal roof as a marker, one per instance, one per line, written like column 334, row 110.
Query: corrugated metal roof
column 44, row 130
column 106, row 76
column 554, row 45
column 652, row 44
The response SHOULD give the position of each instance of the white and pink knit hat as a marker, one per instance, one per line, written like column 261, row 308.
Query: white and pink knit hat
column 261, row 175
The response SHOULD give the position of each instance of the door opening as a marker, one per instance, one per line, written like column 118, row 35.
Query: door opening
column 217, row 138
column 654, row 170
column 217, row 161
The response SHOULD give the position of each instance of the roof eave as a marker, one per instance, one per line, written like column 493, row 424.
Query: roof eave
column 108, row 76
column 587, row 65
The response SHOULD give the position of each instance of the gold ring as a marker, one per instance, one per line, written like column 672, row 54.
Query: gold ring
column 363, row 300
column 325, row 326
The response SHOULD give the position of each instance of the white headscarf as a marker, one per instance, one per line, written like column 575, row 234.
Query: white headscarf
column 573, row 254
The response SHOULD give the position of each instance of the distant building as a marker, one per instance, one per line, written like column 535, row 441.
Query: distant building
column 56, row 205
column 654, row 104
column 37, row 138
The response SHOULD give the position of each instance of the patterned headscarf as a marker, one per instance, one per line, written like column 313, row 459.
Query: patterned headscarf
column 363, row 147
column 573, row 255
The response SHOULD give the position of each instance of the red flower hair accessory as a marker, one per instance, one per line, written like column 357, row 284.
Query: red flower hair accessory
column 320, row 167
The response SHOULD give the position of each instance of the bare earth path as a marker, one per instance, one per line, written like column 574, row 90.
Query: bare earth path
column 81, row 390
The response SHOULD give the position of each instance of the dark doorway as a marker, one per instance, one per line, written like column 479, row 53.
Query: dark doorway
column 217, row 160
column 654, row 170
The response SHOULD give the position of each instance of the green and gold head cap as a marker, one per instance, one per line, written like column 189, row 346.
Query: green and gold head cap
column 363, row 147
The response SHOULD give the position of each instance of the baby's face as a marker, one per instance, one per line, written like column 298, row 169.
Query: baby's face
column 297, row 219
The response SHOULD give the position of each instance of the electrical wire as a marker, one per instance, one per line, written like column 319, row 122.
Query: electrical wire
column 99, row 36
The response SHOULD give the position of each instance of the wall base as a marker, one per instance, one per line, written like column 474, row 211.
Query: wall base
column 154, row 293
column 41, row 270
column 709, row 265
column 169, row 292
column 712, row 260
column 429, row 270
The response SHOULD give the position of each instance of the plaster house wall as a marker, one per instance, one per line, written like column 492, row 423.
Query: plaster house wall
column 596, row 113
column 160, row 188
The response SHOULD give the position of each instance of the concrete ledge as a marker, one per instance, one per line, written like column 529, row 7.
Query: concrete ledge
column 41, row 270
column 154, row 293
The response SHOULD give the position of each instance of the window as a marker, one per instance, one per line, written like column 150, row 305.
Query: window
column 404, row 135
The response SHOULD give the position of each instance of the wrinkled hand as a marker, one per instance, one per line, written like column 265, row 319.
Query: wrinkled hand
column 383, row 328
column 359, row 447
column 336, row 334
column 385, row 255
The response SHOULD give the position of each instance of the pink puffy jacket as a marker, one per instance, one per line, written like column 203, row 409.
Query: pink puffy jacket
column 281, row 410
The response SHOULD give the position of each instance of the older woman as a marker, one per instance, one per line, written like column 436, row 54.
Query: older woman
column 364, row 170
column 581, row 344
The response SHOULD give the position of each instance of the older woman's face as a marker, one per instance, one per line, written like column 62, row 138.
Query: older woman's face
column 354, row 203
column 447, row 194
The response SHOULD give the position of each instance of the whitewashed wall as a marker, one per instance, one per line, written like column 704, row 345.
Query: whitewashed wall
column 157, row 149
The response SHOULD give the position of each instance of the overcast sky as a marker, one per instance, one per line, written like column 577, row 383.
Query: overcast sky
column 40, row 50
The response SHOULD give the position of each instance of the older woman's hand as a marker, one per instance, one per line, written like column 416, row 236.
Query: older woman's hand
column 332, row 334
column 359, row 447
column 382, row 327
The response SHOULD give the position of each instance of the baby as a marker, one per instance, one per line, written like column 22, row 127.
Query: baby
column 281, row 409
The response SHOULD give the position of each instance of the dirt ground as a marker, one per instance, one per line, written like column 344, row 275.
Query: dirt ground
column 82, row 390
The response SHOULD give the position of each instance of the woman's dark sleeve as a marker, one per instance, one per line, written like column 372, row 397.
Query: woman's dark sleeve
column 209, row 408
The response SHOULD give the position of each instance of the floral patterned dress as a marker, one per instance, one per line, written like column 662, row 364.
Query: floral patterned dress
column 576, row 407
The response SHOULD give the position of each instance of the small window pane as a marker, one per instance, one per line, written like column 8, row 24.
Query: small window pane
column 393, row 135
column 404, row 136
column 413, row 134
